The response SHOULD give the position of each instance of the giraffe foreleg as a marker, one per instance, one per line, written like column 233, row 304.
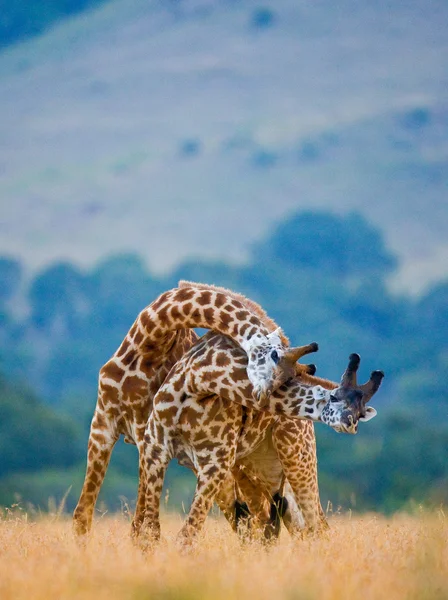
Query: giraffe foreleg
column 292, row 515
column 154, row 461
column 253, row 505
column 213, row 470
column 139, row 513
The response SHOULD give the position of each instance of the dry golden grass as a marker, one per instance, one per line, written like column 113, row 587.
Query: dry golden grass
column 370, row 557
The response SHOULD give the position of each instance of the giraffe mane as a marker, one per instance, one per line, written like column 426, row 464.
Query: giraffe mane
column 254, row 307
column 313, row 380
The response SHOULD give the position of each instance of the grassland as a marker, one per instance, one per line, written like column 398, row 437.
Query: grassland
column 370, row 557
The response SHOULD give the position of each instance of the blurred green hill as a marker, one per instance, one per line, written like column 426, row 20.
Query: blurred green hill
column 187, row 128
column 320, row 275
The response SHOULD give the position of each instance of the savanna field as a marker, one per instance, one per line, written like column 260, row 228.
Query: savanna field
column 369, row 557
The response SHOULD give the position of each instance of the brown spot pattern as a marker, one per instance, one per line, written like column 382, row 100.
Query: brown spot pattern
column 113, row 371
column 183, row 294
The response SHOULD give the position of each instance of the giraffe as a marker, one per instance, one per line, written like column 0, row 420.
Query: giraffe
column 158, row 338
column 214, row 422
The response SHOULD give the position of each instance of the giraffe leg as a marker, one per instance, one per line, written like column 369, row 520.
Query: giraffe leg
column 212, row 472
column 278, row 509
column 155, row 457
column 102, row 439
column 292, row 515
column 139, row 513
column 299, row 464
column 253, row 506
column 265, row 510
column 226, row 499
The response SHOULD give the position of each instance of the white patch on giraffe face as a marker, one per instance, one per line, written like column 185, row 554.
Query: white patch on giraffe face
column 274, row 337
column 321, row 393
column 264, row 354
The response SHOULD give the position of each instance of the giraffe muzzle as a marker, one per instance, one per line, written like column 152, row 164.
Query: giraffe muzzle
column 261, row 394
column 349, row 424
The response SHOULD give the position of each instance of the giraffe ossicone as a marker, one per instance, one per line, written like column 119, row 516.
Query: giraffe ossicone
column 346, row 406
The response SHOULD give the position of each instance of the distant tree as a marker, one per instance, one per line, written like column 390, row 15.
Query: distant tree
column 32, row 436
column 10, row 277
column 120, row 287
column 58, row 296
column 431, row 314
column 190, row 147
column 417, row 118
column 341, row 246
column 263, row 158
column 262, row 18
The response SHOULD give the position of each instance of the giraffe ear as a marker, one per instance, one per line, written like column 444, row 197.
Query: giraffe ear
column 370, row 414
column 320, row 393
column 275, row 336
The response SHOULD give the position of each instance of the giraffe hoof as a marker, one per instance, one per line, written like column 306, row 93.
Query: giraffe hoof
column 185, row 542
column 145, row 543
column 186, row 548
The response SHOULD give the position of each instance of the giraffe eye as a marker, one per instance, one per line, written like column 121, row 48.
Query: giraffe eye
column 274, row 356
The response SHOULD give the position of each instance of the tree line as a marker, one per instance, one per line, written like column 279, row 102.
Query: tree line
column 322, row 276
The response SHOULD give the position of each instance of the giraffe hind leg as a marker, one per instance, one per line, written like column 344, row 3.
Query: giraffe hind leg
column 228, row 502
column 102, row 439
column 278, row 509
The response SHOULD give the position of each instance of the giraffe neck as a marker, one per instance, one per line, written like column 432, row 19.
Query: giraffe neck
column 216, row 366
column 184, row 308
column 297, row 400
column 190, row 307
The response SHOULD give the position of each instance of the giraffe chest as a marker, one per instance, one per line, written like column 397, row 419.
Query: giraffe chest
column 263, row 464
column 253, row 432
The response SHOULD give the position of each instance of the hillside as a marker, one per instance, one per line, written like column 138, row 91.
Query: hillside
column 187, row 129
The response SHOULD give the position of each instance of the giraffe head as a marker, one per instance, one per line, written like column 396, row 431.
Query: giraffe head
column 345, row 406
column 270, row 364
